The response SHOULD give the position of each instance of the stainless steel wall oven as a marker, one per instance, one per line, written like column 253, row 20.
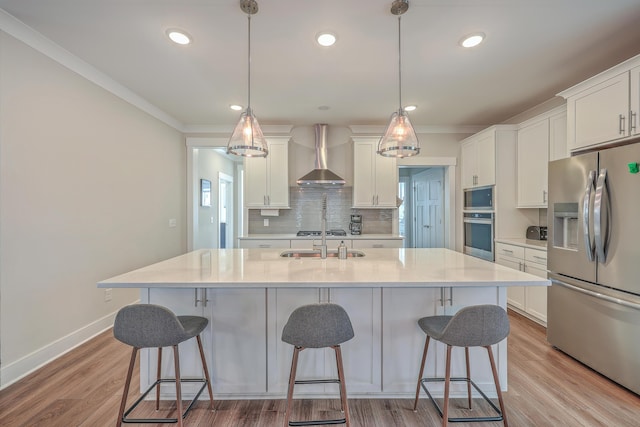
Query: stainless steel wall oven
column 478, row 234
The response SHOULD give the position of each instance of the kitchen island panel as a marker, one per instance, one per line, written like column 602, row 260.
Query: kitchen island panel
column 234, row 341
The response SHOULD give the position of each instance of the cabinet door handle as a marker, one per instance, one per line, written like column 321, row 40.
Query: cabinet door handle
column 544, row 196
column 632, row 122
column 507, row 251
column 203, row 300
column 621, row 128
column 540, row 258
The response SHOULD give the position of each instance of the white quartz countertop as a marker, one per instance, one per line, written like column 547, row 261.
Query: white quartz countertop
column 293, row 236
column 265, row 268
column 527, row 243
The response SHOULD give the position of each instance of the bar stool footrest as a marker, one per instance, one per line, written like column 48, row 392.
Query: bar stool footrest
column 497, row 417
column 317, row 422
column 126, row 420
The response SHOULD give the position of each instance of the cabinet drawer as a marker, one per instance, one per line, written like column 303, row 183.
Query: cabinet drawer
column 266, row 243
column 509, row 250
column 377, row 243
column 536, row 256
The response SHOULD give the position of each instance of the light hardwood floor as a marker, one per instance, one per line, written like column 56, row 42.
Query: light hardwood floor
column 546, row 388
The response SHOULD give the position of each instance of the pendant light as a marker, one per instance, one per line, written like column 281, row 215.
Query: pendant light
column 247, row 139
column 400, row 138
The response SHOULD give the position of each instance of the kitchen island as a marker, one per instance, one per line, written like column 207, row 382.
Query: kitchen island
column 248, row 295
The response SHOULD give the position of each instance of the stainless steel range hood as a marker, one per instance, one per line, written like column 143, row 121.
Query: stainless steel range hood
column 321, row 176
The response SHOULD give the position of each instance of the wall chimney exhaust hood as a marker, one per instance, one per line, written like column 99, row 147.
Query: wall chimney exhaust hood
column 321, row 176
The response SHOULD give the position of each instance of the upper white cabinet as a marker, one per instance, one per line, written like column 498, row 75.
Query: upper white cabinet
column 375, row 178
column 267, row 178
column 604, row 108
column 479, row 159
column 540, row 139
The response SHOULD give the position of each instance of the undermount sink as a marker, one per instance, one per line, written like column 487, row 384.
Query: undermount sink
column 302, row 253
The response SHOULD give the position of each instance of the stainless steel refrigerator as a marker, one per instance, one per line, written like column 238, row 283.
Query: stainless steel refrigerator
column 594, row 261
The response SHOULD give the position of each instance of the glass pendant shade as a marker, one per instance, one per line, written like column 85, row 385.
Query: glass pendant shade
column 400, row 139
column 247, row 139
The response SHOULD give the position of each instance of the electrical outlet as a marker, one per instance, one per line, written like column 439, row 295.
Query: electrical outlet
column 266, row 222
column 172, row 223
column 107, row 294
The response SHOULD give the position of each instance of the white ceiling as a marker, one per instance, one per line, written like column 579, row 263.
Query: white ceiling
column 533, row 50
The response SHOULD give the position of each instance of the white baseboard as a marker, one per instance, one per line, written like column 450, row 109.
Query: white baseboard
column 22, row 367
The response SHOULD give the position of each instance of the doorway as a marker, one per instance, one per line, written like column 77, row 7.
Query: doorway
column 225, row 211
column 422, row 218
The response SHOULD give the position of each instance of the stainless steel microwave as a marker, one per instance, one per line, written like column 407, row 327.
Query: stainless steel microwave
column 480, row 198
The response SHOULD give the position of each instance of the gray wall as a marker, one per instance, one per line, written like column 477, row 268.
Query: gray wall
column 88, row 184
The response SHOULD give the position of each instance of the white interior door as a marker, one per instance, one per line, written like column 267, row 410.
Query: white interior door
column 428, row 208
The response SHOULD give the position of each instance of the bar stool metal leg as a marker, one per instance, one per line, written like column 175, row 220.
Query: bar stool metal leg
column 206, row 373
column 176, row 360
column 466, row 356
column 158, row 376
column 420, row 375
column 343, row 389
column 292, row 381
column 127, row 383
column 497, row 383
column 447, row 385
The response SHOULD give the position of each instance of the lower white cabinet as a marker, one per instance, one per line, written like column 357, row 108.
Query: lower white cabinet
column 235, row 331
column 404, row 340
column 361, row 355
column 247, row 357
column 264, row 243
column 376, row 243
column 531, row 300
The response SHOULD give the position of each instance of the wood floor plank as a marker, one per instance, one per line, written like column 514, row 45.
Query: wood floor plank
column 546, row 388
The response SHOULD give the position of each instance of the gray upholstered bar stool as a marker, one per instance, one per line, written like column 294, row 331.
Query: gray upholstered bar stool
column 474, row 326
column 317, row 326
column 149, row 326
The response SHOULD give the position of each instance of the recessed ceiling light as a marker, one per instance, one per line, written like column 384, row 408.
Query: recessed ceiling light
column 472, row 40
column 326, row 39
column 178, row 36
column 410, row 107
column 236, row 107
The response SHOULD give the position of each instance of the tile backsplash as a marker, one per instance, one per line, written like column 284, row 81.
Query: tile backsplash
column 306, row 211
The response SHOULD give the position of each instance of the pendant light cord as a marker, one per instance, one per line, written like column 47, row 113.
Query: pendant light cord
column 249, row 63
column 399, row 68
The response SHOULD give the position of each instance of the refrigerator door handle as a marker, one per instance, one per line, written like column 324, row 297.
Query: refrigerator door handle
column 597, row 294
column 586, row 214
column 601, row 201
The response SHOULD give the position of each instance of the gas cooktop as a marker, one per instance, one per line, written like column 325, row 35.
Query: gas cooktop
column 319, row 233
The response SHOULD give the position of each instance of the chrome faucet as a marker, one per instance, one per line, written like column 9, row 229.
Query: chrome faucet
column 323, row 246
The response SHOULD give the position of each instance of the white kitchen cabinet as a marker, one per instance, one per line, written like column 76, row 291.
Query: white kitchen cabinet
column 361, row 355
column 479, row 159
column 264, row 243
column 375, row 177
column 266, row 183
column 530, row 301
column 404, row 340
column 558, row 135
column 634, row 110
column 539, row 139
column 376, row 243
column 605, row 107
column 332, row 244
column 235, row 336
